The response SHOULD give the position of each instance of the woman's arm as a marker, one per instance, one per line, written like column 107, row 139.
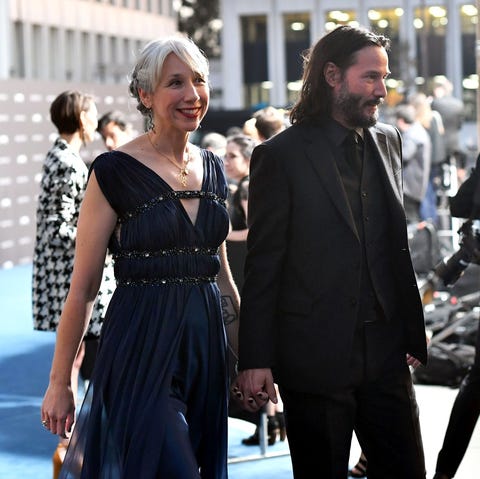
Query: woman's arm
column 237, row 235
column 96, row 223
column 230, row 301
column 241, row 235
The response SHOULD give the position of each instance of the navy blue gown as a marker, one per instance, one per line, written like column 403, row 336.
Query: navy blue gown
column 156, row 406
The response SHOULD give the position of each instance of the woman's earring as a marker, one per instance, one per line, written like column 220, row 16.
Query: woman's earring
column 150, row 122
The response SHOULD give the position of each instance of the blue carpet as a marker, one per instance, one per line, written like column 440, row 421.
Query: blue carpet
column 26, row 448
column 25, row 357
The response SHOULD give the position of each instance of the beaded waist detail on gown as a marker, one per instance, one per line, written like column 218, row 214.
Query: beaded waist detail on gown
column 177, row 265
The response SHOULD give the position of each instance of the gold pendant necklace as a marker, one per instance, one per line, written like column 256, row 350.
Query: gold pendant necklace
column 182, row 171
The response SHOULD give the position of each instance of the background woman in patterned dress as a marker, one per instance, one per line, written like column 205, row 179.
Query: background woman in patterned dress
column 62, row 187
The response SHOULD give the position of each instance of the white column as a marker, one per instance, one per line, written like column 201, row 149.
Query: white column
column 317, row 23
column 362, row 14
column 78, row 55
column 5, row 43
column 119, row 66
column 453, row 48
column 232, row 59
column 125, row 62
column 407, row 36
column 60, row 60
column 276, row 55
column 90, row 58
column 57, row 46
column 132, row 52
column 99, row 62
column 166, row 7
column 27, row 50
column 107, row 59
column 45, row 51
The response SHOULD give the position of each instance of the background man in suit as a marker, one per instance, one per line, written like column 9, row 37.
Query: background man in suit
column 330, row 306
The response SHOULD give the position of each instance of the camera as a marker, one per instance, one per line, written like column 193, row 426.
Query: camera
column 449, row 270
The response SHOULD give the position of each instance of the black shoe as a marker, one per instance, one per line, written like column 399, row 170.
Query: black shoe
column 253, row 440
column 281, row 425
column 273, row 430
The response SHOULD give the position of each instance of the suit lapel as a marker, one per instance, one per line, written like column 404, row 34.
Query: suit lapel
column 320, row 155
column 390, row 162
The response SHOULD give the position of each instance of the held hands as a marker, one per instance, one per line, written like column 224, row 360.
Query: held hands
column 58, row 410
column 253, row 388
column 413, row 362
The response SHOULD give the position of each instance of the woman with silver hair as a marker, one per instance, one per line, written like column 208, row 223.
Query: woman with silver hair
column 157, row 402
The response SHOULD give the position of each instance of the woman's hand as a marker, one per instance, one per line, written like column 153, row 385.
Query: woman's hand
column 253, row 388
column 58, row 410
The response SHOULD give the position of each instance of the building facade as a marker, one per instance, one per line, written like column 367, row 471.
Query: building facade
column 84, row 41
column 46, row 47
column 263, row 40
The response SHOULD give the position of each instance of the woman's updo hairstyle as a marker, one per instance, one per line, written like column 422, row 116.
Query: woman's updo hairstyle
column 148, row 69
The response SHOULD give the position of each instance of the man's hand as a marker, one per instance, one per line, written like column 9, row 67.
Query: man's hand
column 253, row 388
column 413, row 362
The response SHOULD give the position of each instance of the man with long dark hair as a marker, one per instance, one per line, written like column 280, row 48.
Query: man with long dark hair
column 330, row 307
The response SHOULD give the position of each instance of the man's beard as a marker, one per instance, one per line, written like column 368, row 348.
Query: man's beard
column 350, row 107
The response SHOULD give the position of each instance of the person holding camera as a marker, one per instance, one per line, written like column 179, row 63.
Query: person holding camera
column 330, row 307
column 463, row 418
column 466, row 407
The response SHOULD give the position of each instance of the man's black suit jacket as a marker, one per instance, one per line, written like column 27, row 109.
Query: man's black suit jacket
column 300, row 297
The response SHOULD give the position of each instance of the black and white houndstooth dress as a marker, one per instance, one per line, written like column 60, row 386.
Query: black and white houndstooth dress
column 63, row 183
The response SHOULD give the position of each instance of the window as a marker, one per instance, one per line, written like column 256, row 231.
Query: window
column 468, row 23
column 255, row 60
column 297, row 40
column 430, row 24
